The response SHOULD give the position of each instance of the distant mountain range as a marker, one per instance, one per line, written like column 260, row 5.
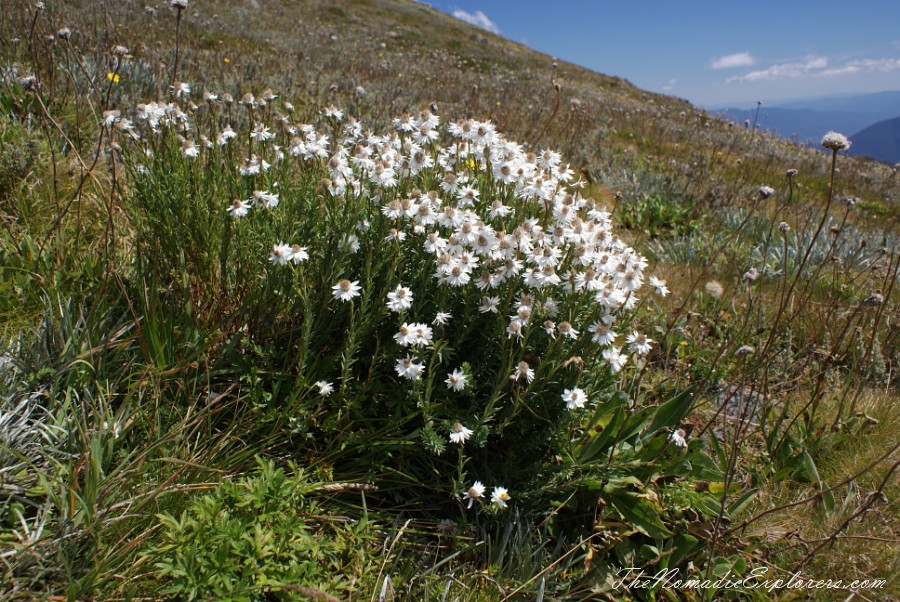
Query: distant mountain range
column 871, row 121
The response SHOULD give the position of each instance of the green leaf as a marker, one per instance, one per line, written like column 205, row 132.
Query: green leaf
column 670, row 413
column 599, row 443
column 638, row 512
column 604, row 409
column 813, row 473
column 682, row 545
column 718, row 451
column 708, row 505
column 703, row 467
column 636, row 423
column 739, row 504
column 722, row 567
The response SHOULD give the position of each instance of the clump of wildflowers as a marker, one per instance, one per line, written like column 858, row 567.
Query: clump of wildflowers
column 468, row 247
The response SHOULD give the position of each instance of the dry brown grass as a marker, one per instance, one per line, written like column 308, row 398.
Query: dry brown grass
column 869, row 545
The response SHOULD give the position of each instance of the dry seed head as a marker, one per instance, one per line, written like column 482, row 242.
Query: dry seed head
column 835, row 141
column 714, row 288
column 29, row 83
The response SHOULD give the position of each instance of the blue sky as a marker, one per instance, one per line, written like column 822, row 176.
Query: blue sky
column 711, row 53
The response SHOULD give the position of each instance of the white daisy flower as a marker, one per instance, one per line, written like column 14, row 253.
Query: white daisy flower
column 567, row 330
column 638, row 343
column 659, row 285
column 456, row 380
column 346, row 290
column 489, row 305
column 239, row 208
column 265, row 198
column 475, row 492
column 351, row 242
column 299, row 254
column 550, row 328
column 190, row 149
column 422, row 333
column 574, row 398
column 225, row 135
column 602, row 334
column 615, row 358
column 523, row 370
column 406, row 335
column 460, row 434
column 400, row 299
column 500, row 496
column 678, row 438
column 409, row 369
column 325, row 387
column 441, row 318
column 281, row 254
column 334, row 112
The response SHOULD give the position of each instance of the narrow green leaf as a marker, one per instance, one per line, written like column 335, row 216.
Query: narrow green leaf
column 739, row 504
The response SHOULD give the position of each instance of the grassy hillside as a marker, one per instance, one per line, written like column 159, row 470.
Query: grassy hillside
column 346, row 300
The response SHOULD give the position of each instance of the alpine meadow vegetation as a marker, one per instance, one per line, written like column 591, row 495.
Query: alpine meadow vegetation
column 378, row 306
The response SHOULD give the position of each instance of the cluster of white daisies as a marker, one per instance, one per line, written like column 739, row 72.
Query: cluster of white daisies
column 495, row 217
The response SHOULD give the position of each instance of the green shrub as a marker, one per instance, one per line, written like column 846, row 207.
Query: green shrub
column 261, row 537
column 656, row 215
column 427, row 310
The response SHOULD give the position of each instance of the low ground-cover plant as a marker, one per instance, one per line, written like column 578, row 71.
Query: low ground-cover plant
column 262, row 537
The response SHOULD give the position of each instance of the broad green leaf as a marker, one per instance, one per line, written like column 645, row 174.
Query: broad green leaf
column 599, row 443
column 636, row 423
column 670, row 413
column 703, row 467
column 682, row 545
column 638, row 512
column 709, row 505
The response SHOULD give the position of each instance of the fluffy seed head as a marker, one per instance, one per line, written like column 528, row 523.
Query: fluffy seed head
column 835, row 141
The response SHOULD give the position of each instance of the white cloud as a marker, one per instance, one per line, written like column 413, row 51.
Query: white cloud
column 865, row 66
column 478, row 19
column 811, row 64
column 818, row 66
column 729, row 61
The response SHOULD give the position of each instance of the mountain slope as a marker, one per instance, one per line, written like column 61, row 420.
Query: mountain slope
column 880, row 141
